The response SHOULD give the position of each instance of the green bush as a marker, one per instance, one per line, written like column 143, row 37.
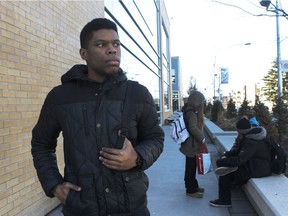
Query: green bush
column 231, row 109
column 217, row 112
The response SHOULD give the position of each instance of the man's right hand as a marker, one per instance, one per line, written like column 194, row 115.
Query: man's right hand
column 61, row 191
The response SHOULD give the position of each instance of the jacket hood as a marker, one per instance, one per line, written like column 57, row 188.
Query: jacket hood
column 77, row 72
column 256, row 133
column 80, row 72
column 195, row 99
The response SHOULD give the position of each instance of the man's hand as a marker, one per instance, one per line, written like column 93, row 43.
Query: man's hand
column 61, row 191
column 119, row 159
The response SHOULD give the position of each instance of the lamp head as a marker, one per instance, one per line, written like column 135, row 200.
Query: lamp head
column 265, row 3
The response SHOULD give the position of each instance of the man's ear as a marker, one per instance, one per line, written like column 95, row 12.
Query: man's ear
column 83, row 53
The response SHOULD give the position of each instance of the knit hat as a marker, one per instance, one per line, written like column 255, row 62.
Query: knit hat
column 243, row 125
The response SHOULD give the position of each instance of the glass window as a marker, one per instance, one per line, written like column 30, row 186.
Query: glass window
column 165, row 57
column 165, row 43
column 138, row 29
column 139, row 72
column 165, row 73
column 166, row 94
column 173, row 76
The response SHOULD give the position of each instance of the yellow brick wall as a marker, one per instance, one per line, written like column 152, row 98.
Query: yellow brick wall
column 39, row 41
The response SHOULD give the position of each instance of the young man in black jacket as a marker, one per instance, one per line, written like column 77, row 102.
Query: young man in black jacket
column 250, row 158
column 103, row 172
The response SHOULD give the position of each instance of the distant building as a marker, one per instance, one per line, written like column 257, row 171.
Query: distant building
column 177, row 94
column 248, row 91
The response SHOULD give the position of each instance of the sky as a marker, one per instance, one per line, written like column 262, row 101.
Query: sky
column 209, row 34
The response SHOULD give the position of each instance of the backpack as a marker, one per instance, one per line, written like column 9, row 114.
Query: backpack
column 278, row 156
column 178, row 131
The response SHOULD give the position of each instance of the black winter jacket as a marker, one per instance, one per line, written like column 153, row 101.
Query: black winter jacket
column 251, row 153
column 89, row 116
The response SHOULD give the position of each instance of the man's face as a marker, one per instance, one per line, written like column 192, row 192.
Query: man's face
column 102, row 54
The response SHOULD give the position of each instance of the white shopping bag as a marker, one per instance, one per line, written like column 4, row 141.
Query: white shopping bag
column 203, row 163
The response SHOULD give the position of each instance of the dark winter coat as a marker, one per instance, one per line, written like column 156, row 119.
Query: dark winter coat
column 191, row 146
column 250, row 154
column 89, row 116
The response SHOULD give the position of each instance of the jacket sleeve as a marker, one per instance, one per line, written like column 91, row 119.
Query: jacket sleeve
column 231, row 153
column 246, row 152
column 150, row 137
column 235, row 148
column 43, row 143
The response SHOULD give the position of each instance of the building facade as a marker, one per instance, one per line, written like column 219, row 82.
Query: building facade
column 144, row 34
column 39, row 42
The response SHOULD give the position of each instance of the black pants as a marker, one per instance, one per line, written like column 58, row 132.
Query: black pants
column 238, row 178
column 225, row 183
column 190, row 180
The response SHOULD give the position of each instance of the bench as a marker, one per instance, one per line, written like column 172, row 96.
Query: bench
column 213, row 130
column 268, row 195
column 224, row 143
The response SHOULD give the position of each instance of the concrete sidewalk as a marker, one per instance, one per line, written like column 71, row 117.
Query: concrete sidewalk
column 166, row 194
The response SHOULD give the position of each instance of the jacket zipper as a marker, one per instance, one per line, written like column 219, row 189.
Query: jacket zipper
column 85, row 115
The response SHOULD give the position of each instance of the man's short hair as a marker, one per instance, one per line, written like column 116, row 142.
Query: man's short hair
column 95, row 25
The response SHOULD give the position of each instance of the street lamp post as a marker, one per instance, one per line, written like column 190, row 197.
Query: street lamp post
column 266, row 3
column 280, row 92
column 214, row 82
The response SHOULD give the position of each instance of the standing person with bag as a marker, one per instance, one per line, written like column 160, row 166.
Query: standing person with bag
column 106, row 150
column 194, row 119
